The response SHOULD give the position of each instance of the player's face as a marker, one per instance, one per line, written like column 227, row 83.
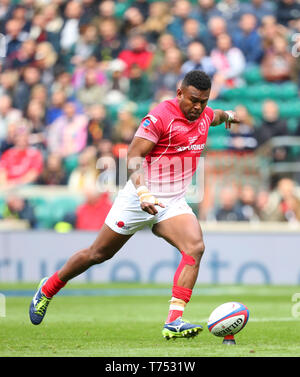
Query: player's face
column 192, row 101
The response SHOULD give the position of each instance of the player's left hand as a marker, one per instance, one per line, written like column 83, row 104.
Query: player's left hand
column 232, row 118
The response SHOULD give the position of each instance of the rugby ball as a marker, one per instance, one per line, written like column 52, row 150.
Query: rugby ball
column 228, row 319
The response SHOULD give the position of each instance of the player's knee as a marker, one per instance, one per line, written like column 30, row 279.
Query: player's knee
column 196, row 251
column 99, row 254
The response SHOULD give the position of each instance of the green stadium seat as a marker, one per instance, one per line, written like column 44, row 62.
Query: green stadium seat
column 71, row 163
column 253, row 75
column 45, row 215
column 217, row 142
column 292, row 124
column 255, row 109
column 63, row 205
column 290, row 109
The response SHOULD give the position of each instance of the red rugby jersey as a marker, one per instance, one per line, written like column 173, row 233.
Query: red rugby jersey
column 170, row 165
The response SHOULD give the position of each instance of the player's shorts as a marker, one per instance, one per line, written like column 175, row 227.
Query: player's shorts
column 127, row 217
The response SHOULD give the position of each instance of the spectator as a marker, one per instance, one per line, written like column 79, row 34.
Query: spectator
column 17, row 207
column 10, row 138
column 99, row 125
column 231, row 11
column 228, row 209
column 86, row 46
column 91, row 93
column 133, row 21
column 8, row 82
column 278, row 64
column 35, row 115
column 285, row 201
column 165, row 41
column 247, row 203
column 260, row 8
column 159, row 17
column 55, row 107
column 110, row 40
column 181, row 11
column 23, row 56
column 89, row 9
column 229, row 61
column 7, row 114
column 269, row 30
column 191, row 33
column 53, row 172
column 216, row 27
column 70, row 30
column 272, row 124
column 139, row 85
column 287, row 11
column 169, row 73
column 63, row 82
column 125, row 127
column 20, row 164
column 243, row 137
column 38, row 27
column 248, row 40
column 84, row 176
column 67, row 135
column 106, row 10
column 197, row 59
column 31, row 77
column 118, row 83
column 206, row 10
column 14, row 36
column 137, row 53
column 91, row 214
column 45, row 60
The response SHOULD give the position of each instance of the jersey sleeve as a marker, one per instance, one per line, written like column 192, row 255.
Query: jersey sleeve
column 150, row 128
column 210, row 113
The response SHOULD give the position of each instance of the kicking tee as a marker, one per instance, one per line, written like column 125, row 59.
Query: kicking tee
column 172, row 162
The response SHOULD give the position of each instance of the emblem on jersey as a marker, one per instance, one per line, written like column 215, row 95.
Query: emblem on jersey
column 202, row 127
column 146, row 123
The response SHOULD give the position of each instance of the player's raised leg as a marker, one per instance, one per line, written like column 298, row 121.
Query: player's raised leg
column 106, row 245
column 183, row 232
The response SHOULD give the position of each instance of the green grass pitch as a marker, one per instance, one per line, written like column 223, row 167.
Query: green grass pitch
column 126, row 320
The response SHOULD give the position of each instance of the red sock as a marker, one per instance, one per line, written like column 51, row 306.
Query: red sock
column 53, row 285
column 176, row 310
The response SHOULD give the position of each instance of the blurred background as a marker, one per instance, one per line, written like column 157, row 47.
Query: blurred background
column 79, row 76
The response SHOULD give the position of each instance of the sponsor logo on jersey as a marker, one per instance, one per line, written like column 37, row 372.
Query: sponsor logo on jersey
column 194, row 147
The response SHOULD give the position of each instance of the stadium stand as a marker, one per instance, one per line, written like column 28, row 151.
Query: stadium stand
column 80, row 75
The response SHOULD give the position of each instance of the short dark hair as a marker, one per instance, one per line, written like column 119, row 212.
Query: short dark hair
column 198, row 79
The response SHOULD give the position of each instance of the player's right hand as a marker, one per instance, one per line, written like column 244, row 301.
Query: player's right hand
column 148, row 200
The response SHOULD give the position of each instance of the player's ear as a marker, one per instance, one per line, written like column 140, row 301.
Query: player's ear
column 179, row 93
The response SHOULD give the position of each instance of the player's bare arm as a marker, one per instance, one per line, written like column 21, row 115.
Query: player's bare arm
column 137, row 151
column 221, row 116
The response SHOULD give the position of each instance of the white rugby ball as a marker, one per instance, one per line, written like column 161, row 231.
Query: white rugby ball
column 228, row 319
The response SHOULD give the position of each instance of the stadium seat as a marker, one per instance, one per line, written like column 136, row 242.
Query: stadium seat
column 217, row 142
column 44, row 215
column 70, row 163
column 63, row 205
column 253, row 75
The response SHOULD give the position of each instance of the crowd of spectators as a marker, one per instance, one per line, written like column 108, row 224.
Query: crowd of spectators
column 79, row 75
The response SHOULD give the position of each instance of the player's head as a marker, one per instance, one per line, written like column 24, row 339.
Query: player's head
column 193, row 94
